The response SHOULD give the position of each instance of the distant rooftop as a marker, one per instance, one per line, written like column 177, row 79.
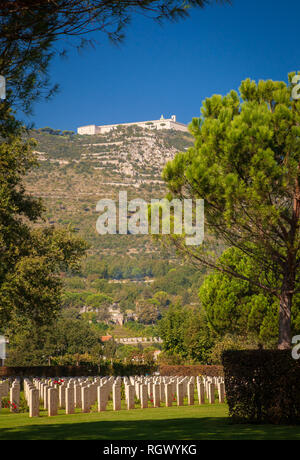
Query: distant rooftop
column 106, row 338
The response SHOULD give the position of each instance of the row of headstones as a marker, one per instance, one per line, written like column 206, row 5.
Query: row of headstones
column 163, row 389
column 84, row 393
column 13, row 390
column 68, row 394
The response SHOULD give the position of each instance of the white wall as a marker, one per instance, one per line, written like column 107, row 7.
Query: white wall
column 89, row 129
column 169, row 123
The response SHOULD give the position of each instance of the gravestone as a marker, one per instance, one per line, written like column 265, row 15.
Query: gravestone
column 162, row 392
column 45, row 396
column 85, row 399
column 156, row 395
column 102, row 398
column 62, row 396
column 130, row 397
column 69, row 400
column 14, row 396
column 116, row 391
column 77, row 395
column 144, row 396
column 211, row 393
column 34, row 403
column 52, row 402
column 179, row 391
column 221, row 391
column 201, row 393
column 168, row 394
column 190, row 392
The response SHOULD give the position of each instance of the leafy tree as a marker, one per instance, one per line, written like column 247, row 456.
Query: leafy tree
column 127, row 296
column 162, row 298
column 147, row 312
column 72, row 336
column 73, row 299
column 141, row 330
column 110, row 349
column 66, row 132
column 98, row 300
column 100, row 284
column 99, row 268
column 75, row 283
column 170, row 329
column 197, row 338
column 126, row 351
column 230, row 342
column 236, row 307
column 168, row 359
column 245, row 164
column 175, row 281
column 185, row 334
column 99, row 327
column 31, row 258
column 34, row 345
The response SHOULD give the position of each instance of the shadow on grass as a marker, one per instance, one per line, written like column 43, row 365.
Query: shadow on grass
column 172, row 429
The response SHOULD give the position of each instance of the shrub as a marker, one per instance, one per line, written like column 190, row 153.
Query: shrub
column 210, row 371
column 229, row 342
column 105, row 368
column 262, row 386
column 23, row 406
column 48, row 371
column 118, row 368
column 7, row 404
column 168, row 359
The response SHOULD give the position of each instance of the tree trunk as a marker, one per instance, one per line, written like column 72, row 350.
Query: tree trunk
column 285, row 334
column 288, row 286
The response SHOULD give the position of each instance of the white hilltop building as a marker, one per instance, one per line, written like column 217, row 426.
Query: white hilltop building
column 162, row 123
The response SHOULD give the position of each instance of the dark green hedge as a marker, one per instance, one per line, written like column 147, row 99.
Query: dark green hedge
column 116, row 369
column 262, row 386
column 47, row 371
column 195, row 370
column 121, row 369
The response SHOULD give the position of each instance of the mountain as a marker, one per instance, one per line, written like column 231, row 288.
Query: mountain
column 75, row 172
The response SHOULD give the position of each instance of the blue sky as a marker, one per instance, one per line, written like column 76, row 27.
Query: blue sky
column 171, row 69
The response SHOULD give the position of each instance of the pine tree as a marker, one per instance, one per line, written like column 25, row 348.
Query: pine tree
column 245, row 164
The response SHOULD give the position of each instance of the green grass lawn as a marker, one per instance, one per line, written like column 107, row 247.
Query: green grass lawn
column 175, row 423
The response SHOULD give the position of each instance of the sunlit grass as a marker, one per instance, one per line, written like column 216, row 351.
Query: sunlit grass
column 173, row 423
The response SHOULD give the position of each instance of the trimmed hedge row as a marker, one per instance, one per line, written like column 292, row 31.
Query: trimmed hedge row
column 262, row 386
column 44, row 371
column 115, row 369
column 120, row 369
column 210, row 371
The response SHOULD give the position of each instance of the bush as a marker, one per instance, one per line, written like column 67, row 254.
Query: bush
column 262, row 386
column 105, row 368
column 229, row 342
column 210, row 371
column 23, row 406
column 7, row 404
column 168, row 359
column 118, row 368
column 48, row 371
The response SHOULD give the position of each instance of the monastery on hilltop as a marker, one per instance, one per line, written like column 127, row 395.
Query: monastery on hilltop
column 162, row 123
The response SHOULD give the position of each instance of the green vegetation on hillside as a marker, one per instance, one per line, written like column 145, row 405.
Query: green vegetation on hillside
column 134, row 272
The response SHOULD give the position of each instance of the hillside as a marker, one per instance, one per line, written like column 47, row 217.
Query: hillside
column 75, row 172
